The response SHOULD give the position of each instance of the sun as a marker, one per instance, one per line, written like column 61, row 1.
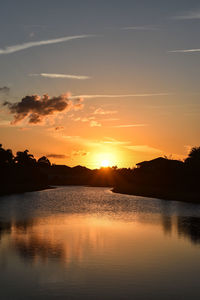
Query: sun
column 104, row 159
column 105, row 163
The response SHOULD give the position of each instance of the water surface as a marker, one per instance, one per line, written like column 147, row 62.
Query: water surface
column 89, row 243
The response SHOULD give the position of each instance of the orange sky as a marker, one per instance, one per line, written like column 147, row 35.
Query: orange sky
column 122, row 89
column 105, row 131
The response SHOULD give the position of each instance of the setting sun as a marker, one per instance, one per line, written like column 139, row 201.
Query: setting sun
column 105, row 159
column 99, row 149
column 105, row 163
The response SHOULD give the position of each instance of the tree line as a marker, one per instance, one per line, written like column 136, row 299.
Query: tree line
column 161, row 177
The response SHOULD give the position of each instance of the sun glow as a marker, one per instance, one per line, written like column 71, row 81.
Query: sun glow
column 105, row 163
column 104, row 159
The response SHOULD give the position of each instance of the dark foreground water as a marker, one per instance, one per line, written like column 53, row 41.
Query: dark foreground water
column 88, row 243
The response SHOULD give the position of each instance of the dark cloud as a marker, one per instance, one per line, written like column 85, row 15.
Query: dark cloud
column 36, row 108
column 59, row 128
column 79, row 153
column 59, row 156
column 62, row 156
column 4, row 89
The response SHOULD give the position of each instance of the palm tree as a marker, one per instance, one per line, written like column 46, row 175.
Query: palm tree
column 194, row 157
column 6, row 156
column 24, row 158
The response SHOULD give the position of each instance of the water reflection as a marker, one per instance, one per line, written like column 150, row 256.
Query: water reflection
column 87, row 242
column 167, row 224
column 5, row 227
column 189, row 227
column 70, row 238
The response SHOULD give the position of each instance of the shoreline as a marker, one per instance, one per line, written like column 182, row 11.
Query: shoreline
column 187, row 198
column 170, row 197
column 21, row 189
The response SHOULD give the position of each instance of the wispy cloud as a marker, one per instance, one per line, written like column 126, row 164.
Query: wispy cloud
column 127, row 145
column 79, row 153
column 191, row 15
column 61, row 76
column 58, row 156
column 83, row 119
column 82, row 141
column 128, row 125
column 185, row 50
column 4, row 123
column 144, row 148
column 111, row 119
column 71, row 137
column 92, row 96
column 95, row 124
column 4, row 89
column 111, row 141
column 101, row 111
column 15, row 48
column 90, row 120
column 142, row 28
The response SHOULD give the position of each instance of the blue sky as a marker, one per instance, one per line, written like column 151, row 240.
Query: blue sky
column 130, row 51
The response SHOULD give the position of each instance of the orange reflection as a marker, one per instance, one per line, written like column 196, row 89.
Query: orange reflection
column 83, row 239
column 73, row 238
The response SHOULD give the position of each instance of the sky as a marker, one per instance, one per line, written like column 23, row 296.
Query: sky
column 96, row 82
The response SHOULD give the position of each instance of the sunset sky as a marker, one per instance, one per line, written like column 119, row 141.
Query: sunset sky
column 86, row 82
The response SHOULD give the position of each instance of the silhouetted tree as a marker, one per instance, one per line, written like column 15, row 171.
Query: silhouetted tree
column 6, row 156
column 161, row 177
column 44, row 161
column 193, row 158
column 25, row 159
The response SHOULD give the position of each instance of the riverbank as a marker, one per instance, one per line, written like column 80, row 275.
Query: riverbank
column 21, row 188
column 171, row 196
column 128, row 190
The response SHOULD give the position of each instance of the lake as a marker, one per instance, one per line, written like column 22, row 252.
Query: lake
column 89, row 243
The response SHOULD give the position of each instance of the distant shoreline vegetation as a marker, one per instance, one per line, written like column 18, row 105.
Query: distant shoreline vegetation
column 159, row 178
